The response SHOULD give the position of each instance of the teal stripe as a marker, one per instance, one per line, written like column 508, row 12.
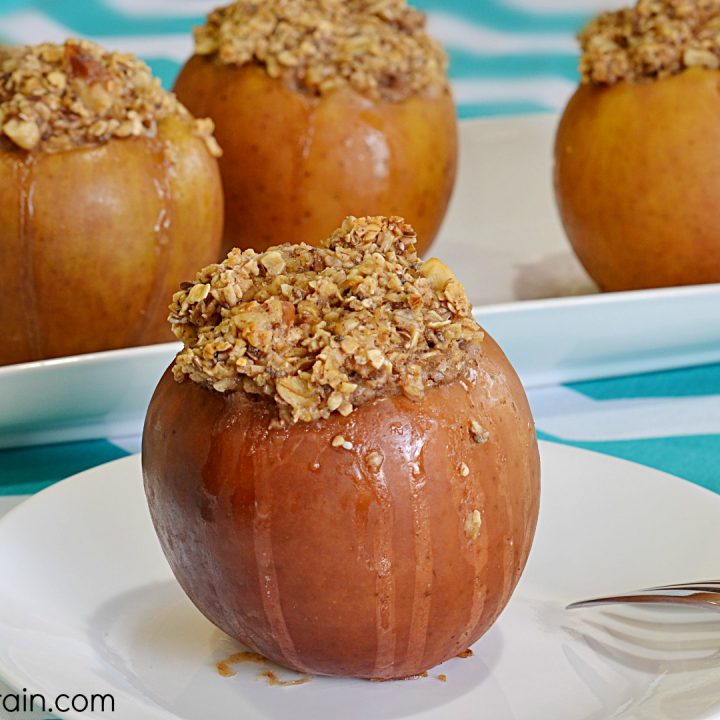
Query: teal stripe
column 165, row 69
column 694, row 458
column 688, row 382
column 7, row 6
column 466, row 65
column 493, row 109
column 494, row 14
column 96, row 18
column 91, row 17
column 24, row 471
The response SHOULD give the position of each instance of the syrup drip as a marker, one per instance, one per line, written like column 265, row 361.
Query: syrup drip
column 422, row 596
column 26, row 184
column 225, row 669
column 157, row 294
column 273, row 679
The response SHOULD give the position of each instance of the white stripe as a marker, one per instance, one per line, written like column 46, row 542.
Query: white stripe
column 28, row 27
column 551, row 91
column 576, row 7
column 168, row 8
column 129, row 443
column 570, row 415
column 481, row 40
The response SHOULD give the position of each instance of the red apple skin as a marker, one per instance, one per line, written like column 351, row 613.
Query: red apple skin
column 305, row 554
column 94, row 241
column 637, row 180
column 294, row 166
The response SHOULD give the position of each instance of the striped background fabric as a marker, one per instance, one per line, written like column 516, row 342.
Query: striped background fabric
column 507, row 57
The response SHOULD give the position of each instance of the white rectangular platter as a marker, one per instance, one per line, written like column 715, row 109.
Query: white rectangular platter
column 502, row 237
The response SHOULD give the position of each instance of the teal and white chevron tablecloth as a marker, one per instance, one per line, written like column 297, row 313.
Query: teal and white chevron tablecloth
column 507, row 57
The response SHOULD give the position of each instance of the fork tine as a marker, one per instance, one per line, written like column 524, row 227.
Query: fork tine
column 711, row 586
column 697, row 599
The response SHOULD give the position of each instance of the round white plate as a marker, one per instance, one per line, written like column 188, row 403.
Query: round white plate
column 88, row 605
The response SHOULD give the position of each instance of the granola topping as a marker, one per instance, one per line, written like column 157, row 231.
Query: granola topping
column 378, row 47
column 654, row 39
column 60, row 97
column 326, row 329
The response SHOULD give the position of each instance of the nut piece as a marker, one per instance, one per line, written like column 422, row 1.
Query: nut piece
column 374, row 460
column 273, row 262
column 340, row 442
column 464, row 469
column 701, row 58
column 473, row 523
column 438, row 273
column 23, row 133
column 479, row 434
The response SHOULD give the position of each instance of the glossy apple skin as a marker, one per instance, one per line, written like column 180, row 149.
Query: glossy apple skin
column 637, row 180
column 294, row 166
column 94, row 241
column 303, row 553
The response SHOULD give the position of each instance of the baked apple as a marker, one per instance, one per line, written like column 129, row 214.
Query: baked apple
column 110, row 196
column 637, row 174
column 341, row 467
column 323, row 107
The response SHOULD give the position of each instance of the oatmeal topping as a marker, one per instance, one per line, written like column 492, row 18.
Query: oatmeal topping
column 378, row 47
column 60, row 97
column 654, row 39
column 326, row 329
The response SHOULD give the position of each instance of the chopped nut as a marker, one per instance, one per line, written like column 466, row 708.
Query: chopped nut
column 479, row 434
column 322, row 338
column 340, row 442
column 693, row 57
column 376, row 358
column 24, row 133
column 464, row 469
column 473, row 523
column 437, row 272
column 60, row 97
column 273, row 262
column 378, row 47
column 374, row 460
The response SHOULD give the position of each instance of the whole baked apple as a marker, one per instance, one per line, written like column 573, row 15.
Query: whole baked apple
column 636, row 172
column 341, row 467
column 110, row 196
column 323, row 107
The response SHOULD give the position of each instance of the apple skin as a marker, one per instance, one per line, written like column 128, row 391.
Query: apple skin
column 294, row 166
column 94, row 241
column 637, row 180
column 306, row 555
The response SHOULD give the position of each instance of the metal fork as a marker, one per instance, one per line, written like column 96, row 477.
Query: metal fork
column 704, row 594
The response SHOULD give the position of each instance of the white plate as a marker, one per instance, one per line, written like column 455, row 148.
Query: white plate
column 502, row 236
column 88, row 604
